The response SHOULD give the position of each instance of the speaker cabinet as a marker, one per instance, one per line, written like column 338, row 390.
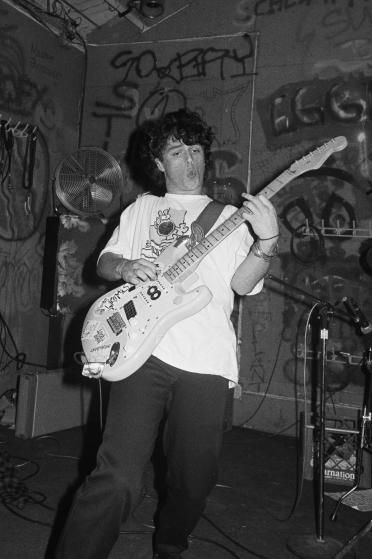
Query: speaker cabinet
column 53, row 401
column 70, row 283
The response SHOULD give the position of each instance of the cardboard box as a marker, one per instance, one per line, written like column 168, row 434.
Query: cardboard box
column 340, row 455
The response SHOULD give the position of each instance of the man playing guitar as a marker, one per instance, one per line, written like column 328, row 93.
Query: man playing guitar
column 193, row 362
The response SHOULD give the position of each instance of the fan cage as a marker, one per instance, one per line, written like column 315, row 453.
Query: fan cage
column 89, row 182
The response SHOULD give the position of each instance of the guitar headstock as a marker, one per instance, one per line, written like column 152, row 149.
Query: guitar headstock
column 316, row 158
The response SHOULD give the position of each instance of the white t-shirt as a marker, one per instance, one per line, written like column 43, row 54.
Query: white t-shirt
column 204, row 342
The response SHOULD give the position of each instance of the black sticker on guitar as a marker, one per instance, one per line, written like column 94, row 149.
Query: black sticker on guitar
column 153, row 292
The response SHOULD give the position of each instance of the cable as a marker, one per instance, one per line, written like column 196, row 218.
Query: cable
column 19, row 357
column 300, row 478
column 151, row 529
column 267, row 387
column 58, row 12
column 80, row 360
column 23, row 517
column 54, row 455
column 13, row 490
column 230, row 539
column 300, row 474
column 26, row 462
column 35, row 12
column 217, row 544
column 14, row 493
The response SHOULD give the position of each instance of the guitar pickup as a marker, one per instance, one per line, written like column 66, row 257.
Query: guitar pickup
column 116, row 323
column 130, row 310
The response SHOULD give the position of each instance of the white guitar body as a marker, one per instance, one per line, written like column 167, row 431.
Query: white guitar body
column 123, row 327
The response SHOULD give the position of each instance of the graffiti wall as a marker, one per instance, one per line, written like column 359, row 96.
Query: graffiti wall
column 213, row 76
column 305, row 68
column 277, row 80
column 315, row 87
column 38, row 124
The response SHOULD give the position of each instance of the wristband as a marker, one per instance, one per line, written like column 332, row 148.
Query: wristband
column 257, row 251
column 269, row 238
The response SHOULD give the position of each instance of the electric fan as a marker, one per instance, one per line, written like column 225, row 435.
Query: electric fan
column 89, row 183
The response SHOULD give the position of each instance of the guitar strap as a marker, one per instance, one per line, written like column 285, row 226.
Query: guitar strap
column 205, row 221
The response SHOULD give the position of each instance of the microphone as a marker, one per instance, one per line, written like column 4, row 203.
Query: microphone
column 357, row 315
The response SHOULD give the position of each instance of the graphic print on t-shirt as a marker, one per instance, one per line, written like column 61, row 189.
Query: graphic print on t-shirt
column 167, row 227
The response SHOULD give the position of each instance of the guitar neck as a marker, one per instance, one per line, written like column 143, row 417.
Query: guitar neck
column 312, row 160
column 277, row 184
column 194, row 255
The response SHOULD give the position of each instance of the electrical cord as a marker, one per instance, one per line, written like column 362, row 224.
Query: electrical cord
column 229, row 538
column 300, row 478
column 55, row 455
column 27, row 518
column 267, row 387
column 151, row 528
column 301, row 472
column 58, row 12
column 26, row 462
column 218, row 544
column 6, row 339
column 37, row 498
column 14, row 494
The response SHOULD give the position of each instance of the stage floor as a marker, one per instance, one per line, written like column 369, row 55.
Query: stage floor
column 260, row 505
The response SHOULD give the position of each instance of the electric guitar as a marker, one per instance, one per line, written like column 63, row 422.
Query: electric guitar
column 123, row 327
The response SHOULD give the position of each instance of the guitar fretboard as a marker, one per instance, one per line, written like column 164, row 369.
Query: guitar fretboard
column 310, row 161
column 198, row 252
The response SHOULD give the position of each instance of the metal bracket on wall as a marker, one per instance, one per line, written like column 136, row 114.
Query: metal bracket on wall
column 339, row 230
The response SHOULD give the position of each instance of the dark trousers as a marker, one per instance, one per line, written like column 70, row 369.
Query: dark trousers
column 195, row 405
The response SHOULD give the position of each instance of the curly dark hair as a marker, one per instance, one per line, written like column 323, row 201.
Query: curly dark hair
column 184, row 125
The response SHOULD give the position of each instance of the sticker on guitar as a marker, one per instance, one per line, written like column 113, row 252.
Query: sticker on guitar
column 123, row 327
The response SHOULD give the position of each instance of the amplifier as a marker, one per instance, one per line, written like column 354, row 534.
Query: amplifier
column 52, row 401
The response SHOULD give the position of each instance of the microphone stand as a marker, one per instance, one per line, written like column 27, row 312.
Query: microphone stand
column 316, row 546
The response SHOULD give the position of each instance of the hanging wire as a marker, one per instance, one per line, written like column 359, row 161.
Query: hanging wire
column 9, row 352
column 61, row 12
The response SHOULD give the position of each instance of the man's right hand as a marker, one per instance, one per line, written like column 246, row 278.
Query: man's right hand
column 114, row 267
column 136, row 271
